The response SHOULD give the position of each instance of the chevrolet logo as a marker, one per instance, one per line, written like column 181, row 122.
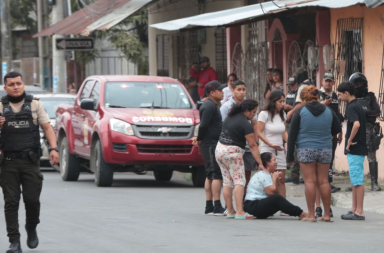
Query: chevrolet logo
column 164, row 130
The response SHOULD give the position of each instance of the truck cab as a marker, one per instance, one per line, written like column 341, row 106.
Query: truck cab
column 129, row 124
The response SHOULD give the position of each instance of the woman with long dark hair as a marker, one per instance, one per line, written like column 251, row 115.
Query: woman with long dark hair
column 272, row 131
column 263, row 198
column 228, row 94
column 311, row 131
column 229, row 153
column 277, row 76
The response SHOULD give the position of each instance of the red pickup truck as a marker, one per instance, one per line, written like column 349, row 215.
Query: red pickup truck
column 129, row 124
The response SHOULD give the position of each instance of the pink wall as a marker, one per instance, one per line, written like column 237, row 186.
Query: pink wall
column 323, row 33
column 373, row 33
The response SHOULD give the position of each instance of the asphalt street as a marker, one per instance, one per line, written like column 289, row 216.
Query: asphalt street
column 138, row 214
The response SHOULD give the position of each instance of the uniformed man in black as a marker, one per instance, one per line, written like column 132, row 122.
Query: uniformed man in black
column 372, row 110
column 329, row 98
column 20, row 166
column 293, row 102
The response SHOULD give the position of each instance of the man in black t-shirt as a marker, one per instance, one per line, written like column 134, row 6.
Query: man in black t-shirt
column 355, row 149
column 207, row 138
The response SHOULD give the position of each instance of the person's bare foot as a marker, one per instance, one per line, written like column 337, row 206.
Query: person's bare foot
column 303, row 215
column 309, row 219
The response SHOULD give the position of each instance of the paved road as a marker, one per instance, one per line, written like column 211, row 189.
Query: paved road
column 139, row 214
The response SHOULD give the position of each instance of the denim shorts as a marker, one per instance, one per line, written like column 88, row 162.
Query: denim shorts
column 311, row 155
column 356, row 169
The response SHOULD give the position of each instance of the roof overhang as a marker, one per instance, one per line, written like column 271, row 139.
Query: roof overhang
column 251, row 12
column 100, row 15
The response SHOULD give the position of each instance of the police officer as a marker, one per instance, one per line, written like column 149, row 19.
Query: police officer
column 372, row 110
column 293, row 102
column 20, row 143
column 329, row 98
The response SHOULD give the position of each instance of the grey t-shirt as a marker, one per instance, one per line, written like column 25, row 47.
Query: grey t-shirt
column 255, row 188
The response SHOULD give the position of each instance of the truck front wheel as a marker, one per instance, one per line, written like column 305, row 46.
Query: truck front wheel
column 69, row 164
column 198, row 176
column 103, row 171
column 163, row 175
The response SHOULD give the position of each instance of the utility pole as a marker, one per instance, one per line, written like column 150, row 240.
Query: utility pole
column 6, row 38
column 42, row 23
column 59, row 64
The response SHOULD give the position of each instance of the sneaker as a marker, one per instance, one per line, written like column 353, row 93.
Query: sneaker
column 226, row 212
column 331, row 213
column 295, row 181
column 319, row 212
column 209, row 210
column 218, row 211
column 335, row 189
column 301, row 181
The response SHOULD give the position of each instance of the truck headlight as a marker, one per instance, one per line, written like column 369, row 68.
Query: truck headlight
column 121, row 127
column 196, row 131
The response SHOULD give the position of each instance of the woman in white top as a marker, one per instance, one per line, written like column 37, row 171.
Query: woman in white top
column 228, row 90
column 272, row 131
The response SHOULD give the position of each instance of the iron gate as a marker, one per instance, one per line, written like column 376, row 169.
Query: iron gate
column 221, row 54
column 255, row 70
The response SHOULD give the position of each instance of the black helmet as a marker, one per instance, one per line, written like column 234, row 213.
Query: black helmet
column 358, row 78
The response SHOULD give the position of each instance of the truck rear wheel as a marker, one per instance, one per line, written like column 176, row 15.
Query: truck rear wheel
column 103, row 171
column 163, row 175
column 69, row 164
column 198, row 176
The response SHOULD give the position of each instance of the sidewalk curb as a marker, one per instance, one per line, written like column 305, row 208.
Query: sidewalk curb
column 373, row 201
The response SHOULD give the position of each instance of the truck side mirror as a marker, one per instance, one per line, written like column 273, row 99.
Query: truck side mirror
column 87, row 104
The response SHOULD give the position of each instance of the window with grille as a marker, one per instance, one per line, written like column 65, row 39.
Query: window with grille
column 185, row 51
column 162, row 44
column 348, row 50
column 221, row 54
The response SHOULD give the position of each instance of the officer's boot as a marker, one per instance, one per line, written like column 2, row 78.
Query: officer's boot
column 15, row 247
column 32, row 239
column 373, row 170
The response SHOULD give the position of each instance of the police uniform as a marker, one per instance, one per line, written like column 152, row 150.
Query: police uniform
column 20, row 144
column 371, row 108
column 334, row 106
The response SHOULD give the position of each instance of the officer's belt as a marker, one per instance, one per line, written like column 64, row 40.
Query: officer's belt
column 19, row 155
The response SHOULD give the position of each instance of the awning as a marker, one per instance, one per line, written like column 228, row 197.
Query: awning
column 373, row 3
column 100, row 15
column 242, row 14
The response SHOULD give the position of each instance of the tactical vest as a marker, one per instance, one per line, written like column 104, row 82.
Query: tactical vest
column 334, row 105
column 365, row 102
column 291, row 98
column 19, row 133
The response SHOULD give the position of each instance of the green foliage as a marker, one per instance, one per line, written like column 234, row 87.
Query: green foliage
column 22, row 12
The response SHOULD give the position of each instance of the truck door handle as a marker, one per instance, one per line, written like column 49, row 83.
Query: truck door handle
column 74, row 112
column 83, row 115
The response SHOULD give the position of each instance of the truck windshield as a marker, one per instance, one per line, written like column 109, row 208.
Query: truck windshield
column 146, row 95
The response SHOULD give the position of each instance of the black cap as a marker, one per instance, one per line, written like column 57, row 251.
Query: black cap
column 204, row 59
column 214, row 85
column 292, row 81
column 329, row 76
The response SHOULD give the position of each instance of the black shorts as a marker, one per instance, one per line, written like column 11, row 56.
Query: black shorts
column 250, row 163
column 212, row 169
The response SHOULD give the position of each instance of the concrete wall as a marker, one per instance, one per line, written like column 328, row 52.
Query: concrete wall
column 373, row 33
column 183, row 9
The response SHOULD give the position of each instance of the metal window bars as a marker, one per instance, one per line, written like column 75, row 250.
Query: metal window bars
column 162, row 44
column 348, row 49
column 221, row 54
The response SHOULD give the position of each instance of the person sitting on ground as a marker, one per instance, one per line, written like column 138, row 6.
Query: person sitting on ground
column 228, row 94
column 263, row 198
column 229, row 153
column 311, row 131
column 272, row 131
